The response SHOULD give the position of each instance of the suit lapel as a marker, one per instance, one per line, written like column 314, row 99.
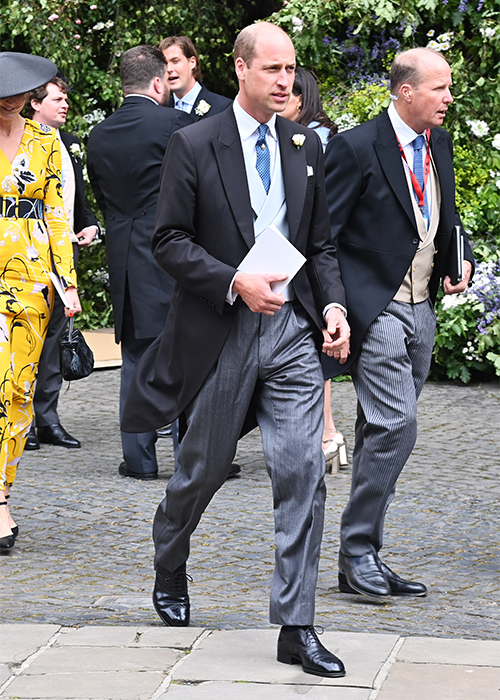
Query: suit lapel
column 444, row 166
column 229, row 156
column 294, row 166
column 389, row 155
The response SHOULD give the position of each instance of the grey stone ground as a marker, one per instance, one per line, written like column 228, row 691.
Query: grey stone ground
column 84, row 553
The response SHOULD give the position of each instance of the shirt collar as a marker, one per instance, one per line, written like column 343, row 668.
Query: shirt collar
column 404, row 132
column 190, row 97
column 247, row 125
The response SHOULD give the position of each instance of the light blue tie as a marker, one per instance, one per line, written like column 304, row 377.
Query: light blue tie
column 418, row 171
column 183, row 106
column 263, row 162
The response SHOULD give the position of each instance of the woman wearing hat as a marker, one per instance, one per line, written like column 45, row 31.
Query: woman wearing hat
column 34, row 240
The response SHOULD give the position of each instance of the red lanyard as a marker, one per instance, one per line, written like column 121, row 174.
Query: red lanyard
column 427, row 168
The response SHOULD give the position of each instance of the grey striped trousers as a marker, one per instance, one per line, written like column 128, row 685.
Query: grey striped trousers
column 388, row 377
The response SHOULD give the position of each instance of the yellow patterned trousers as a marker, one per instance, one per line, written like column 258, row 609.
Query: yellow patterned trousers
column 25, row 308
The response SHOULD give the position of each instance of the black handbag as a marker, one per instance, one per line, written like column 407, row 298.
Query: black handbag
column 77, row 359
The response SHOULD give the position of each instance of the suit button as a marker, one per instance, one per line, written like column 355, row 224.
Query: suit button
column 143, row 213
column 415, row 241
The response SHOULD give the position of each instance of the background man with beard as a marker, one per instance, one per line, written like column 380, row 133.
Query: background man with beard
column 124, row 157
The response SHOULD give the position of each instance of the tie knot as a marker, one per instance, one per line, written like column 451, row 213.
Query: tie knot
column 418, row 143
column 262, row 132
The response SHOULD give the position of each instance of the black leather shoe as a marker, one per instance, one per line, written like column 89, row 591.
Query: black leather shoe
column 300, row 645
column 56, row 435
column 234, row 470
column 32, row 442
column 401, row 587
column 124, row 470
column 363, row 575
column 170, row 597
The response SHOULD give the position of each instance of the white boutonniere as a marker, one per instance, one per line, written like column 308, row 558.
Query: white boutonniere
column 298, row 140
column 202, row 108
column 76, row 150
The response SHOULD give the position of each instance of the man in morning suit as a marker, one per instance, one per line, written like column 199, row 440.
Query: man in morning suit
column 48, row 105
column 233, row 347
column 124, row 157
column 391, row 193
column 185, row 80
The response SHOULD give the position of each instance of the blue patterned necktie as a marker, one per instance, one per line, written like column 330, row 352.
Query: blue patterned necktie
column 263, row 162
column 418, row 171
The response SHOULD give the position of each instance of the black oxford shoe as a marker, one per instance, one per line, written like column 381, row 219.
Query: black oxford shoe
column 56, row 435
column 300, row 645
column 170, row 597
column 32, row 442
column 124, row 470
column 363, row 575
column 401, row 587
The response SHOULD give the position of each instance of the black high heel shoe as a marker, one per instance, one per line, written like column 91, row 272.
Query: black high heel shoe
column 8, row 541
column 15, row 529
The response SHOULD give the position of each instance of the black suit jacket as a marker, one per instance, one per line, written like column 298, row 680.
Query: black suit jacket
column 83, row 215
column 124, row 157
column 372, row 221
column 204, row 228
column 218, row 103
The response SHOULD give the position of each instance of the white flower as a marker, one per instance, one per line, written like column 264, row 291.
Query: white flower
column 487, row 31
column 298, row 140
column 451, row 300
column 298, row 24
column 202, row 108
column 444, row 46
column 496, row 141
column 346, row 121
column 431, row 33
column 445, row 37
column 478, row 127
column 109, row 24
column 98, row 26
column 76, row 150
column 497, row 183
column 434, row 45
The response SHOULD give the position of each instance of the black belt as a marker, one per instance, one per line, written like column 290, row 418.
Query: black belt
column 14, row 207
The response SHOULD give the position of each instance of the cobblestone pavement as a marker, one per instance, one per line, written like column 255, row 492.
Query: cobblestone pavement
column 84, row 554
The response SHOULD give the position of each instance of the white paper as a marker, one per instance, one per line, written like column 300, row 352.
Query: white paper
column 273, row 254
column 59, row 288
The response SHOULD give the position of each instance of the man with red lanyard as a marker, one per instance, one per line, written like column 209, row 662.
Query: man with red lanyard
column 391, row 195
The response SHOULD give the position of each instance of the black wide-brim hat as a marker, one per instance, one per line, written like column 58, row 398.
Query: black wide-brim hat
column 22, row 72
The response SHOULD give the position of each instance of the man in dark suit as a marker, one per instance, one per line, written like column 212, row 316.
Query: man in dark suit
column 232, row 346
column 391, row 193
column 48, row 105
column 185, row 80
column 124, row 157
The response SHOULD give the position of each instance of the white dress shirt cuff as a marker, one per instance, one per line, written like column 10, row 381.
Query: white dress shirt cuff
column 231, row 296
column 334, row 306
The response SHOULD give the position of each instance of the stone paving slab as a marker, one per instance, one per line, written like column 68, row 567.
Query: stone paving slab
column 250, row 656
column 446, row 682
column 20, row 641
column 241, row 664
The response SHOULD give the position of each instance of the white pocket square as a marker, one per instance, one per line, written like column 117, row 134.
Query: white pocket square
column 310, row 171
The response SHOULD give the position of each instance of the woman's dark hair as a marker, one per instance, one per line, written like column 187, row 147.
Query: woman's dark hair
column 311, row 109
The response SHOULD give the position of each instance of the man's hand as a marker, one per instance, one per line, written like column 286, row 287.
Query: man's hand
column 336, row 335
column 449, row 288
column 256, row 292
column 86, row 235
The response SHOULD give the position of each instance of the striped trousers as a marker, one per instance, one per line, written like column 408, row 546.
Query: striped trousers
column 388, row 377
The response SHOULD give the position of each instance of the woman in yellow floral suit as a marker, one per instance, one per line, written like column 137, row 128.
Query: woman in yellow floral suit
column 34, row 240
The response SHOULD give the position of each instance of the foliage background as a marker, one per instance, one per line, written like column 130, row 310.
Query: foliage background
column 349, row 45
